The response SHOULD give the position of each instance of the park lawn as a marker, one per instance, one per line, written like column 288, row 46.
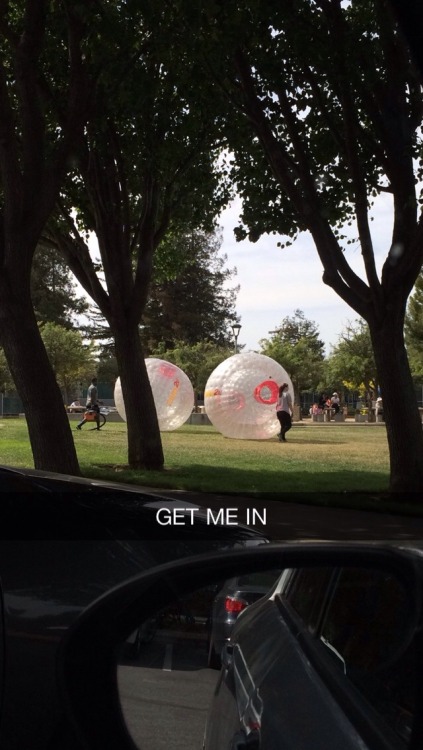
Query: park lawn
column 316, row 459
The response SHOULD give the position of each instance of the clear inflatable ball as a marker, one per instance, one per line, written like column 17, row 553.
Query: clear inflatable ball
column 172, row 392
column 241, row 394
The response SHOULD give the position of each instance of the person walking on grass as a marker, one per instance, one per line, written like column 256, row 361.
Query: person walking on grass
column 92, row 404
column 284, row 411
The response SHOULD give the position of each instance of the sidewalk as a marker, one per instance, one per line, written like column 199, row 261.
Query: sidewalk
column 307, row 422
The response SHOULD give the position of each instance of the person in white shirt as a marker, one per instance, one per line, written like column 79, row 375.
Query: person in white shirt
column 284, row 411
column 335, row 402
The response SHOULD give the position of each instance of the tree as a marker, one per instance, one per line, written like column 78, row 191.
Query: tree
column 6, row 381
column 53, row 292
column 410, row 17
column 145, row 167
column 45, row 91
column 107, row 367
column 326, row 110
column 414, row 328
column 197, row 361
column 71, row 359
column 190, row 303
column 297, row 347
column 352, row 361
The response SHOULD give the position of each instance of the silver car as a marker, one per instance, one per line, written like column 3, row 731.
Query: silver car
column 330, row 658
column 231, row 599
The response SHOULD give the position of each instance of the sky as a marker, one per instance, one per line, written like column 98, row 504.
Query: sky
column 275, row 282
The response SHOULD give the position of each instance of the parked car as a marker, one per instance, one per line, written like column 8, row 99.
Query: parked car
column 330, row 658
column 231, row 599
column 65, row 542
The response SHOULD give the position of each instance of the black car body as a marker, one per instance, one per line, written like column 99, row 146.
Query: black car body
column 231, row 599
column 64, row 542
column 330, row 658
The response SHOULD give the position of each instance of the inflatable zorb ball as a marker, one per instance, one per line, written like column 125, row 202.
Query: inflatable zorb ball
column 172, row 392
column 241, row 394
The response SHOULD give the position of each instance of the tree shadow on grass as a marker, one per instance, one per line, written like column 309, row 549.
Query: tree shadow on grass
column 254, row 482
column 339, row 488
column 202, row 484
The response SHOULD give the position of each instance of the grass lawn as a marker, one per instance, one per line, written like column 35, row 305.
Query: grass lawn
column 316, row 459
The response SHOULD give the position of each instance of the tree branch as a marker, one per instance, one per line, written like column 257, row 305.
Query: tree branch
column 146, row 248
column 9, row 157
column 336, row 24
column 338, row 273
column 27, row 66
column 76, row 253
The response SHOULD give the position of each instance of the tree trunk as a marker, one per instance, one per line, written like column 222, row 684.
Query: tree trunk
column 144, row 441
column 402, row 418
column 50, row 436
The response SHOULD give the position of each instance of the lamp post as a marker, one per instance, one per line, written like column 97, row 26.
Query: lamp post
column 235, row 330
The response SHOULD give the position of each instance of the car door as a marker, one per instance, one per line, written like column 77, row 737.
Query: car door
column 353, row 629
column 323, row 662
column 268, row 697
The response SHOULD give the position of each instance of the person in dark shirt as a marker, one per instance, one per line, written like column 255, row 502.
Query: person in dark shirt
column 92, row 404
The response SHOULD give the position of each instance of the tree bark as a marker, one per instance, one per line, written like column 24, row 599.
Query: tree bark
column 144, row 441
column 50, row 436
column 403, row 422
column 41, row 119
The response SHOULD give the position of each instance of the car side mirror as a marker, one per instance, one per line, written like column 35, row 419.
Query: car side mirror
column 87, row 664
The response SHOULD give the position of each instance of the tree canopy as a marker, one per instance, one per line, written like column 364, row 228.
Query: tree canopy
column 145, row 167
column 6, row 380
column 53, row 292
column 352, row 361
column 324, row 113
column 198, row 360
column 191, row 302
column 72, row 360
column 296, row 345
column 414, row 328
column 48, row 72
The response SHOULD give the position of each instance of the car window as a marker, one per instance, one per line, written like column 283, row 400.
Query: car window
column 264, row 578
column 306, row 593
column 365, row 625
column 360, row 617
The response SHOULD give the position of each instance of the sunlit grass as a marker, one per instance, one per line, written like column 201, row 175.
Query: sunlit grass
column 316, row 458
